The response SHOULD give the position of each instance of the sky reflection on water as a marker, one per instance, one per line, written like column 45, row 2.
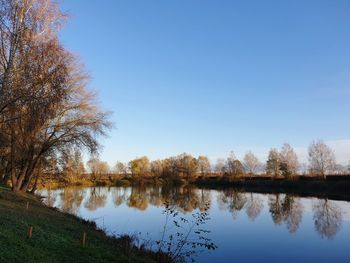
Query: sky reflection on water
column 246, row 227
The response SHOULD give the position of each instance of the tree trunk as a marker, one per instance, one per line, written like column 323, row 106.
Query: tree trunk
column 36, row 178
column 28, row 175
column 19, row 180
column 35, row 183
column 6, row 177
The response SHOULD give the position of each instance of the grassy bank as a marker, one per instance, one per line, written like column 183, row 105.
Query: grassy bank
column 334, row 187
column 57, row 237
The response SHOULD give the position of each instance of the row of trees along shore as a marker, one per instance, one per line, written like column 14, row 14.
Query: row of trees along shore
column 282, row 163
column 46, row 110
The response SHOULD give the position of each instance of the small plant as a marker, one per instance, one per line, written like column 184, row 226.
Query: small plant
column 183, row 239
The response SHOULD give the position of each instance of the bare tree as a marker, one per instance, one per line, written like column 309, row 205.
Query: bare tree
column 340, row 169
column 97, row 169
column 251, row 163
column 220, row 166
column 157, row 168
column 72, row 165
column 121, row 168
column 233, row 167
column 289, row 160
column 203, row 165
column 321, row 158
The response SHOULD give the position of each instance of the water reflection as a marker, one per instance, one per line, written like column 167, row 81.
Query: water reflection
column 284, row 209
column 97, row 198
column 328, row 218
column 233, row 201
column 71, row 199
column 254, row 206
column 119, row 194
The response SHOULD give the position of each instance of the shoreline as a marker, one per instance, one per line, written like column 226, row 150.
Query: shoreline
column 333, row 187
column 33, row 232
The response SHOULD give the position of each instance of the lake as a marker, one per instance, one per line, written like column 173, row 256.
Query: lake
column 245, row 227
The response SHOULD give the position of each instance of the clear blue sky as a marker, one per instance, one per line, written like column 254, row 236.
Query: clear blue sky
column 207, row 77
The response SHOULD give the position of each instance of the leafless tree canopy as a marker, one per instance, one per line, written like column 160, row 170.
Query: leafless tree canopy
column 251, row 162
column 289, row 160
column 321, row 158
column 203, row 165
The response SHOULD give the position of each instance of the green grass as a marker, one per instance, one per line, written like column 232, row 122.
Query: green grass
column 56, row 236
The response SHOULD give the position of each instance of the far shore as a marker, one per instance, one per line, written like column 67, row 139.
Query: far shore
column 334, row 187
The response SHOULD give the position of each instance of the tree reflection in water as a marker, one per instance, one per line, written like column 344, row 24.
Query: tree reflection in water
column 71, row 199
column 254, row 206
column 284, row 208
column 328, row 218
column 119, row 195
column 275, row 205
column 184, row 199
column 155, row 197
column 138, row 198
column 51, row 198
column 293, row 211
column 232, row 200
column 97, row 198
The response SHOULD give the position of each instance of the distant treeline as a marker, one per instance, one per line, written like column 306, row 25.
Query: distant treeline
column 280, row 164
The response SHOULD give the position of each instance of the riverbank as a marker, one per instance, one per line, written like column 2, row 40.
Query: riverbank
column 334, row 187
column 57, row 236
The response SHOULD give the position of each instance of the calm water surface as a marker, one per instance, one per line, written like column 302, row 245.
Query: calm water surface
column 246, row 227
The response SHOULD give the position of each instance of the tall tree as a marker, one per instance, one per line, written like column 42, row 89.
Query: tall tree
column 233, row 166
column 321, row 158
column 289, row 161
column 72, row 165
column 97, row 168
column 140, row 166
column 203, row 165
column 273, row 163
column 121, row 168
column 251, row 163
column 220, row 166
column 157, row 168
column 45, row 106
